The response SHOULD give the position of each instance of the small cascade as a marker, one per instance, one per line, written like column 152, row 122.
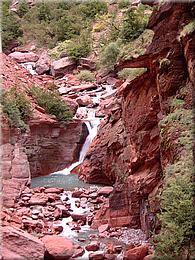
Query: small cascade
column 92, row 126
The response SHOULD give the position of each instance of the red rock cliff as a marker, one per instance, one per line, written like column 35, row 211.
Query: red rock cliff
column 127, row 150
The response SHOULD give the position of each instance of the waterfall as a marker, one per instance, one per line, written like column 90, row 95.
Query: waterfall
column 92, row 126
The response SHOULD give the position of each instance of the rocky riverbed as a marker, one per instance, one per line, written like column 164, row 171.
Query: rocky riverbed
column 45, row 212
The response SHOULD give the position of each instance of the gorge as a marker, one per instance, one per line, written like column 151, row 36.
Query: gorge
column 102, row 165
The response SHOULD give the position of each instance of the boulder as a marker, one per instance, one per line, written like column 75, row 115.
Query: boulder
column 103, row 228
column 73, row 105
column 58, row 248
column 43, row 64
column 98, row 255
column 38, row 199
column 17, row 244
column 87, row 64
column 105, row 191
column 77, row 217
column 54, row 190
column 62, row 66
column 84, row 100
column 136, row 253
column 93, row 246
column 22, row 57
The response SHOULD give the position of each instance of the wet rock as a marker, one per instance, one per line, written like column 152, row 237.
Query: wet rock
column 58, row 247
column 22, row 57
column 62, row 66
column 20, row 245
column 73, row 105
column 77, row 217
column 38, row 199
column 57, row 213
column 93, row 246
column 43, row 64
column 105, row 191
column 136, row 253
column 110, row 257
column 64, row 211
column 54, row 190
column 99, row 255
column 58, row 229
column 84, row 100
column 103, row 228
column 78, row 251
column 77, row 194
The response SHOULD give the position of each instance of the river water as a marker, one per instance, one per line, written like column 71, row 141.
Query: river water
column 69, row 182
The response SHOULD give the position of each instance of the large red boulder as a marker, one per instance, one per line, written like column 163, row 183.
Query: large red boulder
column 58, row 248
column 22, row 57
column 17, row 244
column 62, row 66
column 136, row 253
column 43, row 64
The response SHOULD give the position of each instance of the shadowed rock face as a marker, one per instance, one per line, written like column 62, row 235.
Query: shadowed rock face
column 127, row 150
column 53, row 147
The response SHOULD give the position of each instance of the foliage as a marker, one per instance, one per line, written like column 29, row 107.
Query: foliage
column 79, row 47
column 177, row 204
column 109, row 56
column 10, row 26
column 58, row 49
column 123, row 4
column 136, row 47
column 89, row 9
column 23, row 8
column 164, row 63
column 131, row 73
column 85, row 75
column 187, row 29
column 17, row 108
column 52, row 103
column 133, row 25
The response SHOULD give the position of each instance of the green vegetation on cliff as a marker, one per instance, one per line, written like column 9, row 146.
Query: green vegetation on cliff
column 52, row 103
column 17, row 108
column 177, row 197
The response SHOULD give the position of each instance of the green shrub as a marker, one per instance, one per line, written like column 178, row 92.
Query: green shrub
column 133, row 25
column 10, row 26
column 79, row 47
column 52, row 103
column 136, row 47
column 177, row 197
column 187, row 29
column 123, row 4
column 131, row 73
column 17, row 108
column 23, row 8
column 89, row 9
column 85, row 75
column 109, row 55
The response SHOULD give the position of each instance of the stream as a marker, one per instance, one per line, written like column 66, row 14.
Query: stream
column 83, row 234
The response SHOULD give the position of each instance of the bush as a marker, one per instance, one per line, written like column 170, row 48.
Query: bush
column 17, row 108
column 177, row 197
column 79, row 47
column 108, row 57
column 187, row 29
column 90, row 9
column 10, row 26
column 133, row 25
column 123, row 4
column 131, row 73
column 85, row 75
column 52, row 103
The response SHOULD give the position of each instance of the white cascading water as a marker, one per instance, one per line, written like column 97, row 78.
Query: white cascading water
column 92, row 126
